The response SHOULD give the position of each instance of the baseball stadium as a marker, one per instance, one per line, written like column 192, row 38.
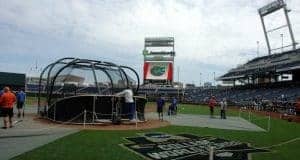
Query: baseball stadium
column 138, row 99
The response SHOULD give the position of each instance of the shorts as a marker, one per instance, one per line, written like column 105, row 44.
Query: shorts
column 159, row 109
column 7, row 112
column 20, row 105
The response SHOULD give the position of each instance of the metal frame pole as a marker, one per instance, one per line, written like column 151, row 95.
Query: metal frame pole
column 265, row 33
column 281, row 35
column 214, row 76
column 211, row 153
column 54, row 112
column 178, row 70
column 269, row 123
column 84, row 119
column 46, row 110
column 200, row 79
column 112, row 108
column 249, row 115
column 95, row 78
column 289, row 25
column 249, row 156
column 94, row 106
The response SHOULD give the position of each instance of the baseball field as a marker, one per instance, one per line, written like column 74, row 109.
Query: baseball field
column 282, row 141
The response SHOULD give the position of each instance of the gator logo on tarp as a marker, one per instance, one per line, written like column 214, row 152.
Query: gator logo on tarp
column 161, row 146
column 158, row 70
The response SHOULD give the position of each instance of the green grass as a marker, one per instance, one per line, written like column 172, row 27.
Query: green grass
column 30, row 101
column 89, row 144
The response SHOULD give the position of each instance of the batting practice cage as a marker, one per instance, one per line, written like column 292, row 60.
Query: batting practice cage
column 77, row 91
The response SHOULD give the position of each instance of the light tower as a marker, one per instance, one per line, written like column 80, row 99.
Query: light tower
column 271, row 8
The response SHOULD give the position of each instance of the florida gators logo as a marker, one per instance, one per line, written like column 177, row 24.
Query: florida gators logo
column 158, row 70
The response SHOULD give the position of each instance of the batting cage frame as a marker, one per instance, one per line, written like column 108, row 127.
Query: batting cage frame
column 84, row 91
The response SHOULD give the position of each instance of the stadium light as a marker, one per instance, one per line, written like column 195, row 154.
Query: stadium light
column 200, row 80
column 214, row 74
column 270, row 8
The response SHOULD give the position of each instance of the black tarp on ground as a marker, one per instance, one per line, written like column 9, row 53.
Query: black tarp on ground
column 71, row 109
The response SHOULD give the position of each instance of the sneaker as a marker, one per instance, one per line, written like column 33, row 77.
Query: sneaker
column 4, row 127
column 132, row 120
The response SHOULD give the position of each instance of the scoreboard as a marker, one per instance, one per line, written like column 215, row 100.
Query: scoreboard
column 158, row 60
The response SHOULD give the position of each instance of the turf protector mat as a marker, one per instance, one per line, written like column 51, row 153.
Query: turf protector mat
column 163, row 146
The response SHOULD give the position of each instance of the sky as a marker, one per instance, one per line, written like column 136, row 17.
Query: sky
column 210, row 35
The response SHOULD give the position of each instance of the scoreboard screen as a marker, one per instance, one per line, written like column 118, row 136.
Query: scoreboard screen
column 158, row 71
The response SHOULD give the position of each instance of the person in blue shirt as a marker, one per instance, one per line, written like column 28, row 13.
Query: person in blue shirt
column 21, row 97
column 174, row 104
column 172, row 107
column 160, row 105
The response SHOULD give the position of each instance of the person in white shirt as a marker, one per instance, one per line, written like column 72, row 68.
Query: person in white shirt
column 223, row 105
column 129, row 102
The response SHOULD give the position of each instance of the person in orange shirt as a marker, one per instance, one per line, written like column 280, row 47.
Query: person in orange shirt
column 212, row 102
column 7, row 101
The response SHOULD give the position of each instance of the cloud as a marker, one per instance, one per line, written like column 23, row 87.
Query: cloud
column 210, row 35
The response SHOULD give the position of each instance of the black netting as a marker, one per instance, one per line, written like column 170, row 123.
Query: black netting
column 69, row 86
column 119, row 79
column 72, row 109
column 132, row 78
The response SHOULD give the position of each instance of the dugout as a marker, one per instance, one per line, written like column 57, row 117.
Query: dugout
column 83, row 90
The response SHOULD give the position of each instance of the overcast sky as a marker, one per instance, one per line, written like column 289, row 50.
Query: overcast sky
column 210, row 35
